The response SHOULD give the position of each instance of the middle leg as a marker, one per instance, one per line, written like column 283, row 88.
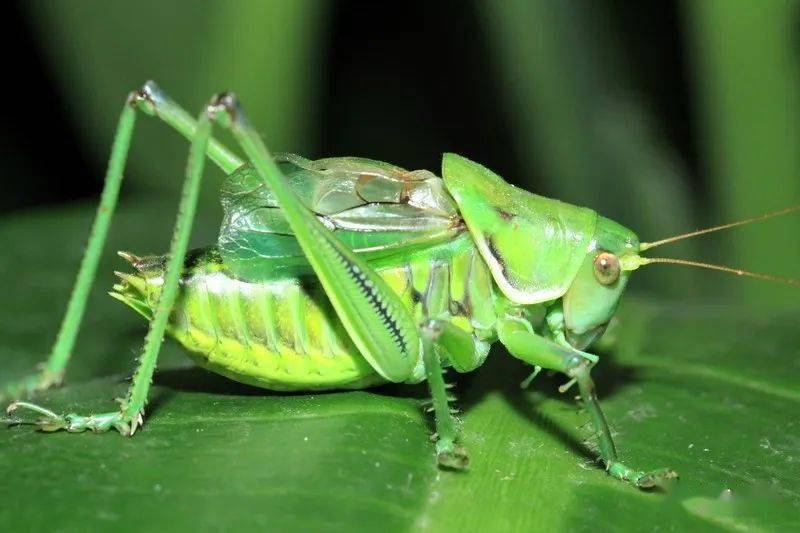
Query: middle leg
column 439, row 339
column 374, row 317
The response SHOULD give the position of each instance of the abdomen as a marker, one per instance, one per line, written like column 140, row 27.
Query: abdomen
column 284, row 334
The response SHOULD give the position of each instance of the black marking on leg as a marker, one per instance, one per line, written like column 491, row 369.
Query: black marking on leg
column 377, row 303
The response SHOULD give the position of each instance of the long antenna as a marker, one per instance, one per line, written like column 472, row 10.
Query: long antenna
column 647, row 245
column 736, row 271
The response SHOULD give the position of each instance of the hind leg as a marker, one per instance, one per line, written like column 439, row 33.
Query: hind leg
column 152, row 101
column 130, row 414
column 374, row 317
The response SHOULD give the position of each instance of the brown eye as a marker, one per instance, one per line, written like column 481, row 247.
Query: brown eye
column 606, row 268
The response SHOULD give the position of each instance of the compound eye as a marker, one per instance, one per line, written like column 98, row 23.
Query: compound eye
column 606, row 268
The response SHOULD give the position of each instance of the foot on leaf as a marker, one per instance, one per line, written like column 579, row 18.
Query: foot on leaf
column 74, row 423
column 643, row 480
column 30, row 385
column 451, row 456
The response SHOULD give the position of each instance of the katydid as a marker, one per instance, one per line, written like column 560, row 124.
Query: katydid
column 345, row 273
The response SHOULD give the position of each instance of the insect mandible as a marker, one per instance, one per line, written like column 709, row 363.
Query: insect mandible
column 344, row 273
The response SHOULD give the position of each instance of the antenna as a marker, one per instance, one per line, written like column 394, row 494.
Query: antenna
column 722, row 268
column 647, row 245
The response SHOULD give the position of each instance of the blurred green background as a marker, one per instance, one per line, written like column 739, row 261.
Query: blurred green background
column 666, row 116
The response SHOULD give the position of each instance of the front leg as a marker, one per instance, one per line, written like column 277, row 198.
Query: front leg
column 536, row 350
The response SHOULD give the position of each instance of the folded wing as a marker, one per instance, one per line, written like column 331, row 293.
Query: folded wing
column 375, row 208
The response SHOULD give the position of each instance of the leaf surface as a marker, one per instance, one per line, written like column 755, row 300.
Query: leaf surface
column 710, row 391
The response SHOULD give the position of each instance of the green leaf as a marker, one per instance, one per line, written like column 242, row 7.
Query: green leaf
column 709, row 391
column 744, row 58
column 581, row 122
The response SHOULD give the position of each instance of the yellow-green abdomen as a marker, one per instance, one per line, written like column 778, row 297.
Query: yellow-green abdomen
column 284, row 334
column 281, row 335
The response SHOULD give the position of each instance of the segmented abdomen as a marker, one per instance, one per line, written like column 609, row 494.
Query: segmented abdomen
column 284, row 334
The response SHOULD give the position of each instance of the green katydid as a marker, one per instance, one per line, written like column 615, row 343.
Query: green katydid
column 346, row 273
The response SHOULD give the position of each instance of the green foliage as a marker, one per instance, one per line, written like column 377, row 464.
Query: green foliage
column 570, row 84
column 706, row 390
column 709, row 391
column 580, row 122
column 748, row 78
column 100, row 51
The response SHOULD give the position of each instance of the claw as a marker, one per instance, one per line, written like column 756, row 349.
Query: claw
column 452, row 456
column 129, row 257
column 566, row 386
column 656, row 478
column 130, row 281
column 75, row 423
column 527, row 381
column 33, row 407
column 228, row 104
column 643, row 480
column 50, row 421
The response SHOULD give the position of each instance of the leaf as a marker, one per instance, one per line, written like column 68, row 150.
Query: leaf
column 710, row 391
column 744, row 59
column 582, row 123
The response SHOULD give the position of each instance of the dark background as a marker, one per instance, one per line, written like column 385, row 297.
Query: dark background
column 665, row 116
column 411, row 59
column 611, row 104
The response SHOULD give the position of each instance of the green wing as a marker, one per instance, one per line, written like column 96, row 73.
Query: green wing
column 374, row 208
